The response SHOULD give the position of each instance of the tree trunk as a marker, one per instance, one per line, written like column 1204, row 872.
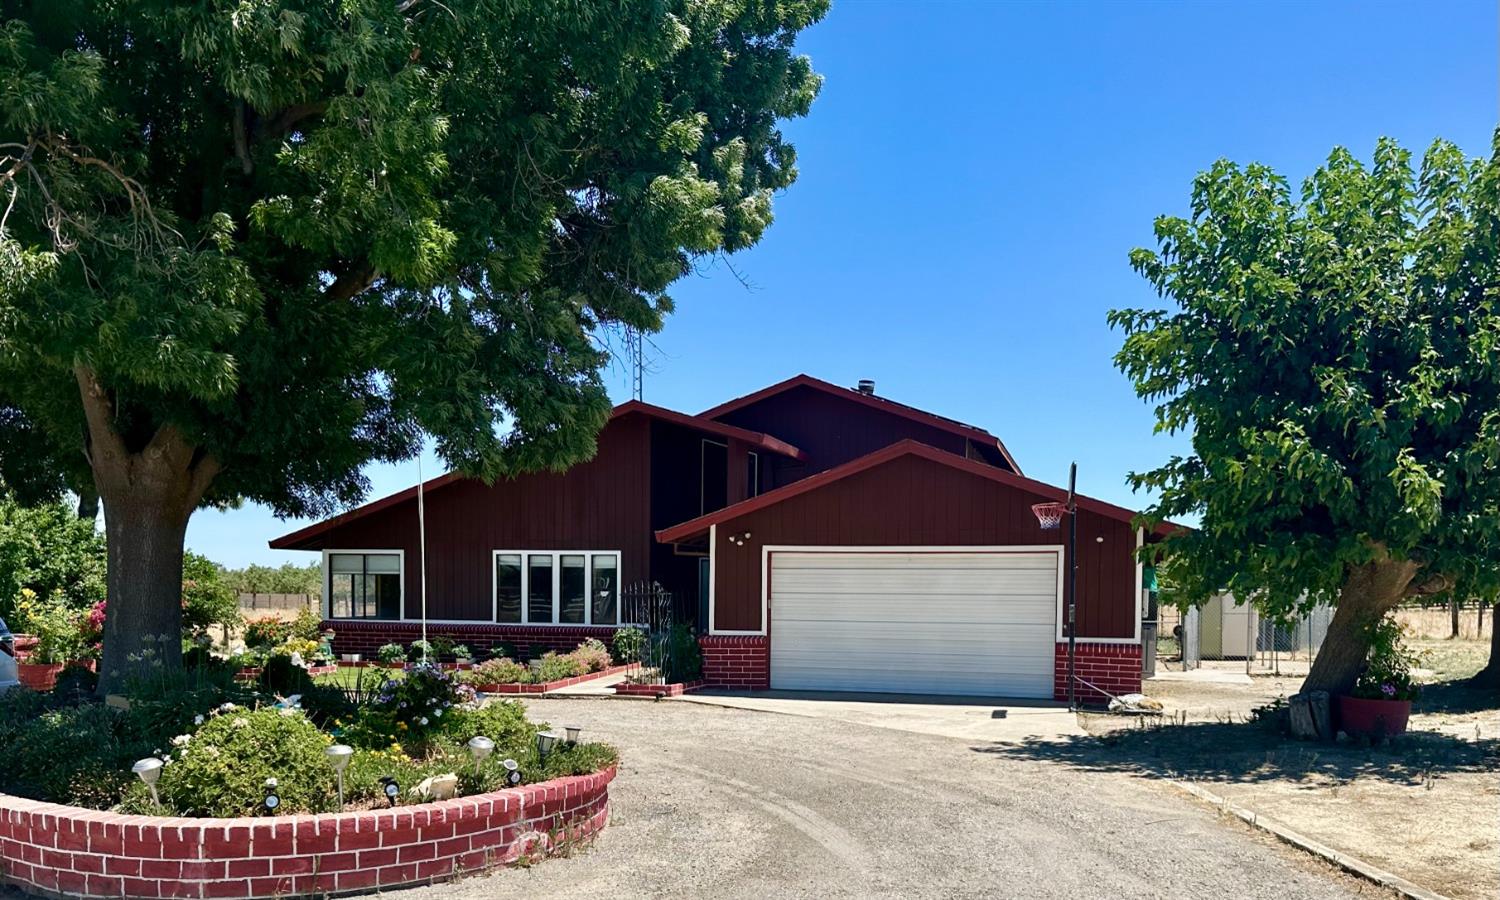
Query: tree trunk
column 148, row 493
column 1370, row 591
column 1453, row 610
column 144, row 626
column 1489, row 676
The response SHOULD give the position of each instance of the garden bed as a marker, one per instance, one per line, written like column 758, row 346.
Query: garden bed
column 75, row 852
column 545, row 686
column 674, row 689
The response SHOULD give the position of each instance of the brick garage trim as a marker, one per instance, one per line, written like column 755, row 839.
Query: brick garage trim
column 738, row 662
column 1114, row 667
column 531, row 641
column 66, row 851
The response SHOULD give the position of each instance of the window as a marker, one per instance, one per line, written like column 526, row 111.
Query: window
column 558, row 587
column 364, row 585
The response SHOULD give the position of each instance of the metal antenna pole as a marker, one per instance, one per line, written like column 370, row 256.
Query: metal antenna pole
column 637, row 363
column 1072, row 589
column 422, row 544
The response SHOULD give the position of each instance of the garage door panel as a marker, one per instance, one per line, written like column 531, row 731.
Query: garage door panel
column 965, row 623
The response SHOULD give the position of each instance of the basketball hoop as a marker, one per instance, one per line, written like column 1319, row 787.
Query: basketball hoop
column 1049, row 515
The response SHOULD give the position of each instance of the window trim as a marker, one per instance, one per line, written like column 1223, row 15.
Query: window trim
column 588, row 580
column 752, row 465
column 327, row 604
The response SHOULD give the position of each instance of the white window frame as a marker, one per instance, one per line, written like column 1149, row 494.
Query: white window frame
column 588, row 580
column 752, row 466
column 327, row 604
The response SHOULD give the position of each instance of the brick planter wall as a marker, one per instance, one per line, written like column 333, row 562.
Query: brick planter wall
column 530, row 641
column 740, row 662
column 1114, row 667
column 674, row 689
column 546, row 686
column 66, row 851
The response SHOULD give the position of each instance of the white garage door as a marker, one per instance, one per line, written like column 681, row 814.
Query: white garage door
column 980, row 623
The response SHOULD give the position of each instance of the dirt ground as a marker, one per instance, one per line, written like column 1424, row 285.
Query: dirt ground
column 1423, row 806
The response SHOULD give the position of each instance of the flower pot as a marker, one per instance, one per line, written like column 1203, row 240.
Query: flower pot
column 25, row 643
column 351, row 657
column 39, row 676
column 1373, row 718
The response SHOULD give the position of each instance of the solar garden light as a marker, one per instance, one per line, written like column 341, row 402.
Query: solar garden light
column 512, row 772
column 480, row 747
column 273, row 799
column 572, row 731
column 148, row 770
column 338, row 757
column 392, row 790
column 545, row 741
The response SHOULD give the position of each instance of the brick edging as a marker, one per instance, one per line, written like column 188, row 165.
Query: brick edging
column 546, row 686
column 674, row 689
column 68, row 851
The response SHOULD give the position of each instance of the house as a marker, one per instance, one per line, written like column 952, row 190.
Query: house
column 817, row 536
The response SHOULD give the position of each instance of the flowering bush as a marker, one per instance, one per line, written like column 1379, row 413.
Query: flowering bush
column 630, row 645
column 592, row 656
column 556, row 668
column 221, row 770
column 391, row 653
column 267, row 632
column 1387, row 674
column 497, row 671
column 412, row 708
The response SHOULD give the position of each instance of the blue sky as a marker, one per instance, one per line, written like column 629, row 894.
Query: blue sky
column 973, row 177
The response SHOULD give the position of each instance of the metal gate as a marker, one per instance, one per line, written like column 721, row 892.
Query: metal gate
column 649, row 607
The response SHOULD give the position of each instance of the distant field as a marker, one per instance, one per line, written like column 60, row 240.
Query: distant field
column 1436, row 623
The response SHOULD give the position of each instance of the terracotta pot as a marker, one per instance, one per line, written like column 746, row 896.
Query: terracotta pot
column 25, row 643
column 1373, row 718
column 39, row 676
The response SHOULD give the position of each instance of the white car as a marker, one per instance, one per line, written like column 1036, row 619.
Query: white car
column 7, row 659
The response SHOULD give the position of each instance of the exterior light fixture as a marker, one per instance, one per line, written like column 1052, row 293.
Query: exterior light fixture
column 148, row 770
column 480, row 747
column 545, row 741
column 391, row 789
column 273, row 799
column 512, row 772
column 572, row 731
column 338, row 757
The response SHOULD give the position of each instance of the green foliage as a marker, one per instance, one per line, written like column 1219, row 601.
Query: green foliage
column 422, row 651
column 48, row 551
column 62, row 630
column 279, row 675
column 255, row 248
column 79, row 755
column 555, row 667
column 684, row 658
column 461, row 651
column 207, row 598
column 267, row 632
column 503, row 650
column 284, row 579
column 496, row 671
column 1333, row 354
column 411, row 710
column 221, row 769
column 391, row 653
column 630, row 645
column 592, row 655
column 1387, row 674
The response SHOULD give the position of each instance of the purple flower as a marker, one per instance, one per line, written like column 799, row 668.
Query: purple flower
column 1388, row 689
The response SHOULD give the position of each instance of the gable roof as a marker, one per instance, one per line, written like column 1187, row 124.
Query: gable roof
column 874, row 401
column 755, row 439
column 695, row 527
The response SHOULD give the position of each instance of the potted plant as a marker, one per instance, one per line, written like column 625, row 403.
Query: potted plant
column 62, row 638
column 462, row 657
column 392, row 654
column 1380, row 703
column 422, row 651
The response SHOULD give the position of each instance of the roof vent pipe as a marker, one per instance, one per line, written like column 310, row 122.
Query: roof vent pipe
column 866, row 386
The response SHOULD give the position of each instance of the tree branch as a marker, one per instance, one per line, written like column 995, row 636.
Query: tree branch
column 99, row 412
column 351, row 283
column 1436, row 583
column 287, row 119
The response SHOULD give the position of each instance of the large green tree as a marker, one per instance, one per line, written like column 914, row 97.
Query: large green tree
column 248, row 246
column 1335, row 354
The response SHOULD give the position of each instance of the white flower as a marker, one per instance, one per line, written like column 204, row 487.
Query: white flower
column 438, row 713
column 240, row 722
column 198, row 719
column 424, row 720
column 181, row 740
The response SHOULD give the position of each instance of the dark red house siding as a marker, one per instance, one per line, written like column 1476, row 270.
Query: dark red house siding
column 831, row 430
column 603, row 504
column 911, row 501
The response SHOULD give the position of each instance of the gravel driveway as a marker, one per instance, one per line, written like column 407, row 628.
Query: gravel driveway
column 722, row 803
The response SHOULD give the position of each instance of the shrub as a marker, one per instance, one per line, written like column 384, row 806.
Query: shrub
column 556, row 668
column 461, row 651
column 592, row 656
column 503, row 650
column 423, row 651
column 630, row 645
column 442, row 645
column 684, row 660
column 207, row 599
column 75, row 684
column 307, row 625
column 391, row 653
column 267, row 632
column 1388, row 665
column 411, row 709
column 496, row 671
column 222, row 769
column 47, row 551
column 281, row 676
column 62, row 631
column 502, row 721
column 78, row 754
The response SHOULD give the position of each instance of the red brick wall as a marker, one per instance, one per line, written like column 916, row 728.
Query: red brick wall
column 1114, row 667
column 740, row 662
column 530, row 640
column 71, row 852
